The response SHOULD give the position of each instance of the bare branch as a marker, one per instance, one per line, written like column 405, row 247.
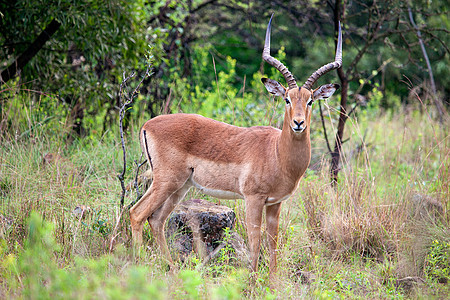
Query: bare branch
column 353, row 109
column 324, row 128
column 30, row 52
column 435, row 37
column 372, row 75
column 123, row 106
column 437, row 102
column 136, row 182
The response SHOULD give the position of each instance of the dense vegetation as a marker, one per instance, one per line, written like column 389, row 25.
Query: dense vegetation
column 379, row 229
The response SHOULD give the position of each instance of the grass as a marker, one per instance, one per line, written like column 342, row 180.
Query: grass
column 383, row 233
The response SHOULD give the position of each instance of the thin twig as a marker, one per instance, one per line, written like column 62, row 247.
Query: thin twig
column 121, row 116
column 353, row 109
column 365, row 81
column 136, row 182
column 324, row 128
column 372, row 75
column 123, row 106
column 116, row 227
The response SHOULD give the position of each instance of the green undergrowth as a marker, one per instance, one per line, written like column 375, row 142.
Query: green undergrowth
column 381, row 233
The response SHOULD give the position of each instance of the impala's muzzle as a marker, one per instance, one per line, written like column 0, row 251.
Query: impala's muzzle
column 299, row 126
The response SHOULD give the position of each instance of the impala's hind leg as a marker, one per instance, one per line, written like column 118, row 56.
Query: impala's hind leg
column 136, row 219
column 158, row 219
column 158, row 193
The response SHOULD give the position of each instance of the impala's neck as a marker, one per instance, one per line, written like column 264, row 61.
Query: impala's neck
column 294, row 150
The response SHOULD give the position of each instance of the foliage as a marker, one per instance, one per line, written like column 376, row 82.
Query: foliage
column 35, row 271
column 226, row 256
column 437, row 264
column 94, row 38
column 222, row 101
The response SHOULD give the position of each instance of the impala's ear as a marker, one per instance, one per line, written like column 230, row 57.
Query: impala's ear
column 274, row 87
column 325, row 91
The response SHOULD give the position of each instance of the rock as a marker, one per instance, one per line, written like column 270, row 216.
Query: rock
column 240, row 248
column 5, row 225
column 81, row 211
column 51, row 158
column 407, row 283
column 426, row 208
column 198, row 225
column 239, row 253
column 305, row 276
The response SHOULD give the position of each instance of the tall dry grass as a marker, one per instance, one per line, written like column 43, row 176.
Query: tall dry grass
column 392, row 201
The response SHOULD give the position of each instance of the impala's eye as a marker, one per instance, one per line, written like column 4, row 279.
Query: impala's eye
column 288, row 101
column 309, row 103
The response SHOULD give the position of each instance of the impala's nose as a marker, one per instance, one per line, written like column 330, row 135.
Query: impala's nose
column 298, row 125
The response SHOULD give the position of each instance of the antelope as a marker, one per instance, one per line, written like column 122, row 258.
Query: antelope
column 261, row 164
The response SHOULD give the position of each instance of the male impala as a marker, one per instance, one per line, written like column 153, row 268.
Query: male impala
column 261, row 164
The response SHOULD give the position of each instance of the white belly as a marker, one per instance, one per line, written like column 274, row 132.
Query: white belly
column 272, row 200
column 216, row 192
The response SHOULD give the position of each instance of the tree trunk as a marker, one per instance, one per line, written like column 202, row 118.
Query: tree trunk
column 30, row 52
column 437, row 101
column 336, row 154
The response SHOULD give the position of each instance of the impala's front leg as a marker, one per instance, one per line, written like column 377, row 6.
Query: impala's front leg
column 254, row 209
column 272, row 221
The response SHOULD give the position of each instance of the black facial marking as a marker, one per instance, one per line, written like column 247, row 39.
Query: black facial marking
column 299, row 88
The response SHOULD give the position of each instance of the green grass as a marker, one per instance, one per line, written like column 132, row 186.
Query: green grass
column 356, row 241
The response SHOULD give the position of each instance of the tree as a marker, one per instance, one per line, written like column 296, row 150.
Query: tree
column 76, row 61
column 384, row 21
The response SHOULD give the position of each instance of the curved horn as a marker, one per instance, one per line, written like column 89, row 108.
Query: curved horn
column 328, row 67
column 275, row 62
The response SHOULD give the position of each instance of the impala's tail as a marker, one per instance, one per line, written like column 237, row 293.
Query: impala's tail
column 144, row 146
column 147, row 177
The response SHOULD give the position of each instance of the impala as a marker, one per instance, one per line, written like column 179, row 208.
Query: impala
column 261, row 164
